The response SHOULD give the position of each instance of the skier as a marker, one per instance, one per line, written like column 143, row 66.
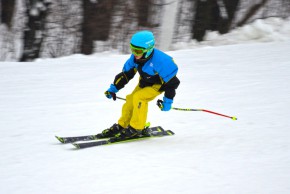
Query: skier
column 157, row 75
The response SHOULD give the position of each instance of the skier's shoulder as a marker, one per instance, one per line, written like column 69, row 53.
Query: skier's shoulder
column 129, row 64
column 160, row 55
column 163, row 59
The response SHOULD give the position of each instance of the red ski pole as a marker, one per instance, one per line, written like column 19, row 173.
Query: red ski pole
column 159, row 104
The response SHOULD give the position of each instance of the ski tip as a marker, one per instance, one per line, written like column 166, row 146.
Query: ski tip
column 76, row 145
column 60, row 139
column 169, row 132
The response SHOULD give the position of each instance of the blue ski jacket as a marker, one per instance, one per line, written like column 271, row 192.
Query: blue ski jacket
column 158, row 68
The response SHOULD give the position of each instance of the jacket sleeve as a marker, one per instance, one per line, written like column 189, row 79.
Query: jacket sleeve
column 170, row 87
column 167, row 70
column 123, row 78
column 129, row 71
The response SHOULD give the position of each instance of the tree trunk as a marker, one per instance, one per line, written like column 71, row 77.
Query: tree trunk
column 208, row 16
column 143, row 12
column 231, row 7
column 96, row 23
column 205, row 18
column 35, row 28
column 7, row 12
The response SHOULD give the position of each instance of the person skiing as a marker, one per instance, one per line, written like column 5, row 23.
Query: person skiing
column 157, row 72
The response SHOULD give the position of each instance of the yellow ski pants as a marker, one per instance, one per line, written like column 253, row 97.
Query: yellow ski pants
column 135, row 109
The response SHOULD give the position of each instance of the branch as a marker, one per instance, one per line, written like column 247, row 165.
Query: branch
column 252, row 11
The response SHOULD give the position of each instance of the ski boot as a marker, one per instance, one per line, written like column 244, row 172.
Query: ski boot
column 128, row 132
column 145, row 132
column 110, row 132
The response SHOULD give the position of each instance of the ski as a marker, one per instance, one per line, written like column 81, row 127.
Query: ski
column 115, row 140
column 76, row 138
column 94, row 137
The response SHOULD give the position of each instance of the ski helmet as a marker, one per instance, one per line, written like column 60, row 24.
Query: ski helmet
column 144, row 41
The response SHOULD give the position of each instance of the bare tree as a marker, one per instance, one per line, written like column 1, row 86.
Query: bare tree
column 204, row 14
column 184, row 21
column 63, row 29
column 214, row 15
column 231, row 7
column 7, row 12
column 6, row 43
column 251, row 12
column 36, row 11
column 143, row 9
column 96, row 23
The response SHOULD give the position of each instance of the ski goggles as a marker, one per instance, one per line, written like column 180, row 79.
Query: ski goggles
column 137, row 51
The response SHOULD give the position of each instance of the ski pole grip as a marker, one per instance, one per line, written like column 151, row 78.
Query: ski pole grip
column 159, row 103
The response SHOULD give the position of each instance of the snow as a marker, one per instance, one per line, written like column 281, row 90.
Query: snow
column 208, row 154
column 34, row 12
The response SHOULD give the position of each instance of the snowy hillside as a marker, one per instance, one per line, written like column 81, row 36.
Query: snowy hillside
column 208, row 154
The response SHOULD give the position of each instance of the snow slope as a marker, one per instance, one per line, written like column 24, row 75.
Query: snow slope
column 209, row 154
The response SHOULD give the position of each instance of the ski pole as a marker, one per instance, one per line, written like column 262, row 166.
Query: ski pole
column 159, row 104
column 120, row 98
